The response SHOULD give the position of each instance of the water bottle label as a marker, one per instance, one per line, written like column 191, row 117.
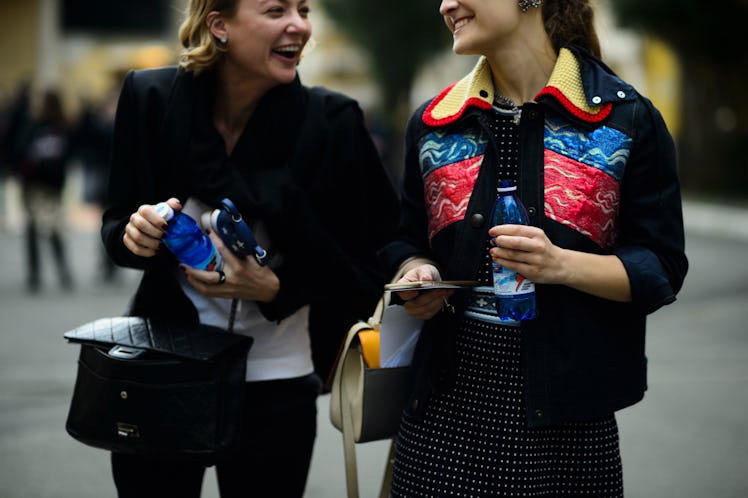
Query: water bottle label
column 215, row 263
column 511, row 283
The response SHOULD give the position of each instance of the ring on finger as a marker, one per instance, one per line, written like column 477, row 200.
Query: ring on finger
column 221, row 277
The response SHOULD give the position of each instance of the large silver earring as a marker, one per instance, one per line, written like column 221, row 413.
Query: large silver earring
column 525, row 5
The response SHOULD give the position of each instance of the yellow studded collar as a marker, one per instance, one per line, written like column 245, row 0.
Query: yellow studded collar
column 476, row 90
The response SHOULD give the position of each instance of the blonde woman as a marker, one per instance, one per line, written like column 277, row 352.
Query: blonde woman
column 233, row 120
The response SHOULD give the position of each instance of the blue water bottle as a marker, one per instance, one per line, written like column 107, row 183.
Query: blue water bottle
column 187, row 242
column 513, row 293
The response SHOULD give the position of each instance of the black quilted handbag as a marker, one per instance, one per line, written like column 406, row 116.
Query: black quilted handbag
column 150, row 388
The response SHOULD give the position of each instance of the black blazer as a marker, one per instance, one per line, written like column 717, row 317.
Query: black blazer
column 305, row 166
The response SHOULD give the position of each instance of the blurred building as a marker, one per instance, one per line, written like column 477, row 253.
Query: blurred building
column 84, row 47
column 645, row 62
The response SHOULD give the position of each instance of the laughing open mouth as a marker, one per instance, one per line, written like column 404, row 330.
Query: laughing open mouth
column 289, row 52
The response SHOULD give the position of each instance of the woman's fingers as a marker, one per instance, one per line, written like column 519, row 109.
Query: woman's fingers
column 145, row 229
column 210, row 283
column 423, row 304
column 229, row 258
column 148, row 221
column 427, row 303
column 139, row 242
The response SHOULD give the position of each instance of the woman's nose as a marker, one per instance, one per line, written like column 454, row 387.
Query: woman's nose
column 298, row 24
column 447, row 6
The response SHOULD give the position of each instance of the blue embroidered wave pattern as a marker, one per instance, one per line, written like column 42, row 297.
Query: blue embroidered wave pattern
column 440, row 149
column 604, row 148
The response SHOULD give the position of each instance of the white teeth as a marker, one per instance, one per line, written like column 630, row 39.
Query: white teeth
column 461, row 23
column 289, row 48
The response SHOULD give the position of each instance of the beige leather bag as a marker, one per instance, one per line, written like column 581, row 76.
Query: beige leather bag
column 366, row 403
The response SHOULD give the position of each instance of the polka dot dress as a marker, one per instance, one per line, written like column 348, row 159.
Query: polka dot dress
column 473, row 440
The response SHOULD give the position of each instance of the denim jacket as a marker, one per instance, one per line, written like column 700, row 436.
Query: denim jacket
column 598, row 174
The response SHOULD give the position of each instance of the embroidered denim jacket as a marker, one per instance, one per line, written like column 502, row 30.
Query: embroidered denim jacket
column 597, row 174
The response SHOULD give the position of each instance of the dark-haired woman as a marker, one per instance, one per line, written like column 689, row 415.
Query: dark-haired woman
column 527, row 408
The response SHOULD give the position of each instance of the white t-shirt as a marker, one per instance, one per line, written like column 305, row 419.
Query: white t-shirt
column 280, row 350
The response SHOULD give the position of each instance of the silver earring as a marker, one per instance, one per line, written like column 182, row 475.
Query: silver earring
column 525, row 5
column 224, row 40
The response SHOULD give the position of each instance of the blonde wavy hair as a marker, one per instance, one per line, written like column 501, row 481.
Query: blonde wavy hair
column 201, row 49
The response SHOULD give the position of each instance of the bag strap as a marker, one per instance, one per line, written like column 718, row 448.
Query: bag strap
column 343, row 400
column 376, row 318
column 349, row 445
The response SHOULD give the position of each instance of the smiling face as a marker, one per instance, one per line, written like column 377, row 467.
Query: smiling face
column 480, row 26
column 265, row 38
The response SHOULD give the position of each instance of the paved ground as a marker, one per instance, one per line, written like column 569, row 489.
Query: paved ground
column 687, row 439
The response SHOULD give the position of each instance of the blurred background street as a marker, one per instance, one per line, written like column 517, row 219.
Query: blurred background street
column 687, row 439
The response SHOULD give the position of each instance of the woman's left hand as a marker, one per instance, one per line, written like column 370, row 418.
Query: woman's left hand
column 528, row 251
column 245, row 279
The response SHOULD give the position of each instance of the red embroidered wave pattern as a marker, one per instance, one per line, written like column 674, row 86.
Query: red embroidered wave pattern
column 581, row 197
column 447, row 192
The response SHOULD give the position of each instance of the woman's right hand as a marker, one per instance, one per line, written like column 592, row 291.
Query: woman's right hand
column 145, row 229
column 423, row 304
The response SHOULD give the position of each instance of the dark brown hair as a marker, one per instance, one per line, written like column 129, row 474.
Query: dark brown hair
column 571, row 22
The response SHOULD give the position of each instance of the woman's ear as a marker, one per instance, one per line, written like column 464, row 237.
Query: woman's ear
column 217, row 26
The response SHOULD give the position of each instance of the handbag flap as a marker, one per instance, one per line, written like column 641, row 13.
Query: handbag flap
column 194, row 342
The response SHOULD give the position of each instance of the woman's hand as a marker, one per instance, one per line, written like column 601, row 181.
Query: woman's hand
column 423, row 304
column 528, row 251
column 144, row 231
column 245, row 279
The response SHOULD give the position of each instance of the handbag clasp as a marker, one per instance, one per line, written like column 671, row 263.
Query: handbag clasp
column 127, row 430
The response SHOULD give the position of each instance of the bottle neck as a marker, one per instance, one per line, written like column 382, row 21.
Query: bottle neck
column 506, row 186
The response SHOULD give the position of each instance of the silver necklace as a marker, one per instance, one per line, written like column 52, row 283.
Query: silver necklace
column 505, row 105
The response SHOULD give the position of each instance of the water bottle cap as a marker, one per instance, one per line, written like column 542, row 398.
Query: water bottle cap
column 165, row 211
column 208, row 220
column 506, row 186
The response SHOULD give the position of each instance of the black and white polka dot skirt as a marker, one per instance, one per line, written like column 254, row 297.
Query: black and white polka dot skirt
column 473, row 440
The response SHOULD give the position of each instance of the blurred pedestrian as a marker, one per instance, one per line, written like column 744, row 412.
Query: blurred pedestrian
column 235, row 121
column 17, row 124
column 91, row 144
column 42, row 166
column 507, row 408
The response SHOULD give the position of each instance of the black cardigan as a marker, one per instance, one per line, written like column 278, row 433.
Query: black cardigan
column 305, row 166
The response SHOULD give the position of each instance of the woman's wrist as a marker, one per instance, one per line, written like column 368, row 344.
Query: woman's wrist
column 600, row 275
column 271, row 289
